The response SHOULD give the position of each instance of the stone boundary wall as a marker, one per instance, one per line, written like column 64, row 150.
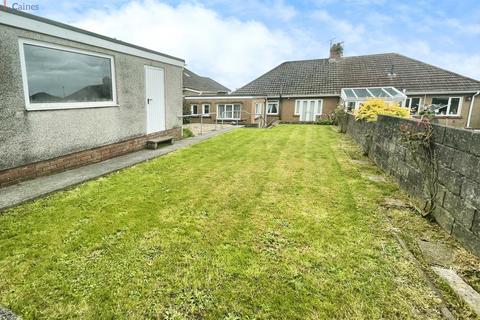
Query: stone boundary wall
column 78, row 159
column 458, row 153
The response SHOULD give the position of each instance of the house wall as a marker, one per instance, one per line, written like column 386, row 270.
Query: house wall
column 287, row 107
column 286, row 113
column 78, row 159
column 33, row 136
column 246, row 109
column 456, row 121
column 458, row 154
column 475, row 120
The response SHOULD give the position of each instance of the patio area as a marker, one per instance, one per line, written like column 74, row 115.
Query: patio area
column 202, row 128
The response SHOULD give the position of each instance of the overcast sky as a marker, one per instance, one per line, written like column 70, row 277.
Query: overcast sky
column 236, row 41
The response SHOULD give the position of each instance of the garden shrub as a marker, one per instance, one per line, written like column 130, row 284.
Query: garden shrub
column 187, row 133
column 326, row 119
column 341, row 118
column 371, row 108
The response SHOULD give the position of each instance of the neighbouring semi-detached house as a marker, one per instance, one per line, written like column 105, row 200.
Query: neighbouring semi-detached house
column 195, row 85
column 71, row 97
column 300, row 91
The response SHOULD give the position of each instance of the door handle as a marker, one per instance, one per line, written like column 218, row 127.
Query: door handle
column 148, row 101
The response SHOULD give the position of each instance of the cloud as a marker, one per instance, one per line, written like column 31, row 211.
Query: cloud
column 459, row 63
column 339, row 28
column 274, row 10
column 235, row 42
column 463, row 27
column 225, row 48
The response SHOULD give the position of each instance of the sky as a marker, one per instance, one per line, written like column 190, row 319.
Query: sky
column 234, row 42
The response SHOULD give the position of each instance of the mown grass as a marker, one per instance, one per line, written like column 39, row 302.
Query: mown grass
column 254, row 224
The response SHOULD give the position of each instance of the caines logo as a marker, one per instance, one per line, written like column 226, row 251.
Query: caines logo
column 22, row 6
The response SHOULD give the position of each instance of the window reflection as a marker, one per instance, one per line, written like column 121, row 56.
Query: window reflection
column 56, row 75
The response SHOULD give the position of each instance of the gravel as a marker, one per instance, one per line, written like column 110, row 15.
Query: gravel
column 8, row 315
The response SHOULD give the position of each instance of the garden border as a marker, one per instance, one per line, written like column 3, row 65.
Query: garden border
column 457, row 203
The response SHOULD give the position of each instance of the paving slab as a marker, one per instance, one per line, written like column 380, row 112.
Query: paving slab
column 360, row 162
column 436, row 253
column 392, row 203
column 461, row 288
column 375, row 178
column 28, row 190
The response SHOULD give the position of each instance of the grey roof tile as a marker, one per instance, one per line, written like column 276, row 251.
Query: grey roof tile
column 192, row 80
column 323, row 76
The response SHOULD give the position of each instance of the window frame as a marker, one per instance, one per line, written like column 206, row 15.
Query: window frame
column 206, row 114
column 191, row 109
column 64, row 105
column 459, row 110
column 276, row 102
column 408, row 103
column 219, row 117
column 318, row 106
column 258, row 114
column 347, row 107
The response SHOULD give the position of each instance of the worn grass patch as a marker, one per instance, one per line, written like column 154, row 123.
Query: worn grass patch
column 254, row 224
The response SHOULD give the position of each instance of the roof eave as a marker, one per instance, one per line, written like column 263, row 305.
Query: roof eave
column 441, row 92
column 25, row 21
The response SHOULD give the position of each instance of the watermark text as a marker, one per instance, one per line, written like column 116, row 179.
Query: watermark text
column 22, row 6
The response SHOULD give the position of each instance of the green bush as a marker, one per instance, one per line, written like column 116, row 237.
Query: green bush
column 341, row 118
column 187, row 133
column 371, row 108
column 326, row 119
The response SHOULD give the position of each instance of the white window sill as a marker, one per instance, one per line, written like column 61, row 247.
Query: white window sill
column 449, row 116
column 44, row 107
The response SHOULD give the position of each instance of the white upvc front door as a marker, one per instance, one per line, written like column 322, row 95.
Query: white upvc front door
column 155, row 98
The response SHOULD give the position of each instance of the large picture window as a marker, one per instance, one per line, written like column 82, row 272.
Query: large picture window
column 228, row 111
column 447, row 106
column 57, row 77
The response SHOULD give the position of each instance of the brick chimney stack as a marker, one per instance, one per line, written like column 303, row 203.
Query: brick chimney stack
column 336, row 51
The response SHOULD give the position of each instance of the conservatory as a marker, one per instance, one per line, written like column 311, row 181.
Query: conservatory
column 353, row 97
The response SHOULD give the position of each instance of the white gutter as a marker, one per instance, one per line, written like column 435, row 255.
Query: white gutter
column 471, row 108
column 304, row 96
column 202, row 92
column 225, row 97
column 414, row 93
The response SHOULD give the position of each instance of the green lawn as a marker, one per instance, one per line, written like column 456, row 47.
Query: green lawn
column 254, row 224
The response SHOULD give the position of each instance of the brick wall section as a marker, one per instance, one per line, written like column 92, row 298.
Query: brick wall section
column 78, row 159
column 458, row 153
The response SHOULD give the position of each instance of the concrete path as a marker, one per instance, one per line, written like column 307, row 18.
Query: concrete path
column 39, row 187
column 461, row 288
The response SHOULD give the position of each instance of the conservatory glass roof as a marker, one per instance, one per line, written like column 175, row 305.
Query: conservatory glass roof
column 361, row 94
